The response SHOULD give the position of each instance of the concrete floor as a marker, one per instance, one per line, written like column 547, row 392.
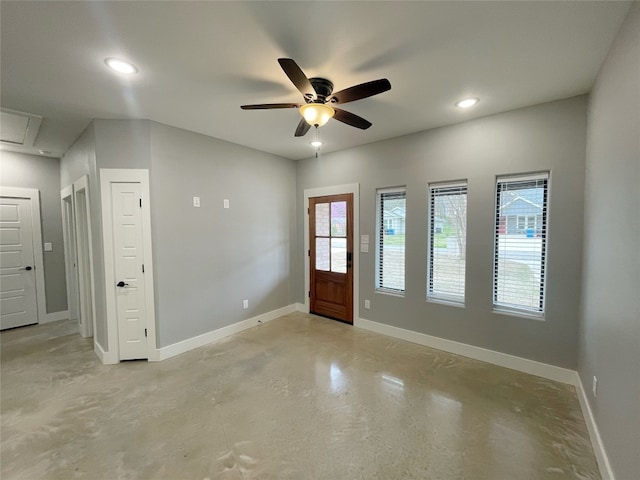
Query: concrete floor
column 300, row 397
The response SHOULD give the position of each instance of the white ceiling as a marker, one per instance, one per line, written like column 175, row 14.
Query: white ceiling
column 199, row 61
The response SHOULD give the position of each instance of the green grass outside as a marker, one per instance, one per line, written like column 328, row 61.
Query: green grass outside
column 440, row 240
column 394, row 239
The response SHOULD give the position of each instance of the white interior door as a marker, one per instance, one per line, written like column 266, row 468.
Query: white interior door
column 18, row 302
column 129, row 268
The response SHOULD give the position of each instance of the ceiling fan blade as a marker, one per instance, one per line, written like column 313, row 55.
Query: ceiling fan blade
column 265, row 106
column 351, row 119
column 297, row 76
column 363, row 90
column 303, row 128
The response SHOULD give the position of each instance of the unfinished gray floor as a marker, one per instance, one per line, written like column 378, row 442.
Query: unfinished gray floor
column 299, row 397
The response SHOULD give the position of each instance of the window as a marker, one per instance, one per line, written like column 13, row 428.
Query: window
column 392, row 208
column 447, row 241
column 520, row 243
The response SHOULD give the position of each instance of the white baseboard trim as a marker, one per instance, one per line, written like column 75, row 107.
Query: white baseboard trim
column 525, row 365
column 104, row 357
column 301, row 307
column 594, row 433
column 55, row 316
column 209, row 337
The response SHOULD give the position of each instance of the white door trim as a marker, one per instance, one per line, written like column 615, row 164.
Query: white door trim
column 353, row 188
column 107, row 177
column 89, row 325
column 70, row 253
column 33, row 195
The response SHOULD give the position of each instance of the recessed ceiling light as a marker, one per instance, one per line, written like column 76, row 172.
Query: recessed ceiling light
column 316, row 143
column 467, row 102
column 121, row 66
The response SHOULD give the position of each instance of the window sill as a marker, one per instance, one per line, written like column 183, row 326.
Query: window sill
column 519, row 313
column 393, row 293
column 443, row 301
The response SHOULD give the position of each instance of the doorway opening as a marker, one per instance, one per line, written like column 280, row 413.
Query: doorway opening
column 331, row 264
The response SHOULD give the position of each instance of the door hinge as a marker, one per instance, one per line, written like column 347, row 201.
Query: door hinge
column 145, row 332
column 143, row 268
column 308, row 253
column 308, row 211
column 309, row 293
column 140, row 203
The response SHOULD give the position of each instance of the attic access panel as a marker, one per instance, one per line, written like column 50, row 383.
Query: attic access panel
column 18, row 128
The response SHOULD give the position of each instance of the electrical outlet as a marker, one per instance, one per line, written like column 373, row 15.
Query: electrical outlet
column 245, row 304
column 367, row 304
column 196, row 201
column 594, row 386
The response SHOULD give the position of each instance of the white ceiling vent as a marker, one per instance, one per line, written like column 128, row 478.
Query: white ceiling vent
column 19, row 128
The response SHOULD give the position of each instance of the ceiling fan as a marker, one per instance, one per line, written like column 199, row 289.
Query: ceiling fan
column 319, row 98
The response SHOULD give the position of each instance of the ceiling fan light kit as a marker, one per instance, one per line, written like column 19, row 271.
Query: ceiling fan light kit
column 318, row 93
column 317, row 114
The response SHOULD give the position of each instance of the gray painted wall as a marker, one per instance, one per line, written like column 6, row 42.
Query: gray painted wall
column 205, row 259
column 544, row 137
column 209, row 259
column 42, row 173
column 116, row 144
column 104, row 144
column 78, row 161
column 610, row 320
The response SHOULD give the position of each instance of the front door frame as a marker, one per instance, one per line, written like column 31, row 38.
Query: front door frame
column 128, row 175
column 33, row 194
column 353, row 188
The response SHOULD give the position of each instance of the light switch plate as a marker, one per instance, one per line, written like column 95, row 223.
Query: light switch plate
column 226, row 203
column 364, row 238
column 196, row 201
column 364, row 247
column 48, row 247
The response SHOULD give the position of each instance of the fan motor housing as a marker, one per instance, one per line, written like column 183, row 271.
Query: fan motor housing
column 322, row 86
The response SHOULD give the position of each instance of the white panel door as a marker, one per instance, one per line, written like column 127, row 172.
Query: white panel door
column 128, row 267
column 18, row 304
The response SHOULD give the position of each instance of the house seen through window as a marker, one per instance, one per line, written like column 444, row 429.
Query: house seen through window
column 520, row 243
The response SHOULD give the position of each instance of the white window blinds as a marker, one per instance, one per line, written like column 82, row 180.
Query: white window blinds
column 447, row 242
column 520, row 243
column 390, row 254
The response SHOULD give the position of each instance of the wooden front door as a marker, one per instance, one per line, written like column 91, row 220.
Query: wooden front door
column 331, row 256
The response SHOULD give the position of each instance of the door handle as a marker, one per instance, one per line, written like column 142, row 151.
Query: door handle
column 122, row 284
column 27, row 268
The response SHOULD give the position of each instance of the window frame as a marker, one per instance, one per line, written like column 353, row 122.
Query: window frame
column 381, row 193
column 541, row 227
column 441, row 187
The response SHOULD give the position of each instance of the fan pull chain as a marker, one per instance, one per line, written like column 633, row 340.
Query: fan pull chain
column 318, row 143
